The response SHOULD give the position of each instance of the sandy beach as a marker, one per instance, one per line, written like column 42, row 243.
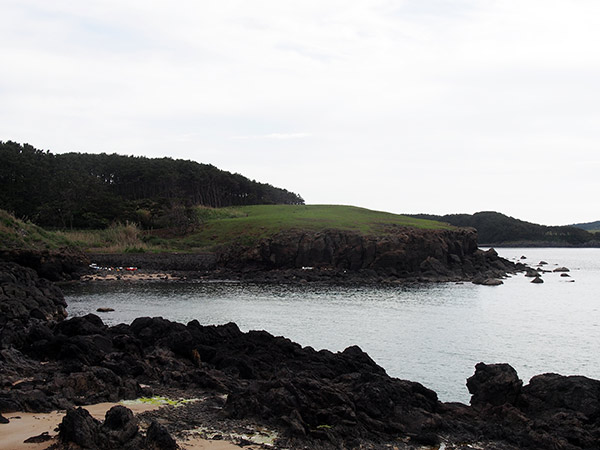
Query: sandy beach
column 23, row 426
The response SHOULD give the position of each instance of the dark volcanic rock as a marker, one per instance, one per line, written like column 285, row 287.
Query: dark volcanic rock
column 120, row 431
column 318, row 398
column 158, row 438
column 531, row 273
column 494, row 384
column 79, row 427
column 404, row 253
column 120, row 426
column 569, row 393
column 43, row 437
column 24, row 296
column 51, row 265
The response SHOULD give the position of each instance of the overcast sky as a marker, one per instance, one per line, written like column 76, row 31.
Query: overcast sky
column 436, row 106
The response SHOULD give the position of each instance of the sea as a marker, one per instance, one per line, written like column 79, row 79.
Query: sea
column 431, row 333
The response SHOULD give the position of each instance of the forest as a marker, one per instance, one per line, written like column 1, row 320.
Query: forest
column 79, row 190
column 494, row 228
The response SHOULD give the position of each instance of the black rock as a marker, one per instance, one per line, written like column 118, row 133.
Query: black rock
column 494, row 384
column 158, row 438
column 79, row 427
column 120, row 425
column 44, row 437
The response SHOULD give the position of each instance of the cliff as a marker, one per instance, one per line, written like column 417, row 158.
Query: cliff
column 402, row 252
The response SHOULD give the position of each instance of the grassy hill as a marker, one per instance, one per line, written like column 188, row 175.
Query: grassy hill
column 18, row 234
column 244, row 225
column 250, row 223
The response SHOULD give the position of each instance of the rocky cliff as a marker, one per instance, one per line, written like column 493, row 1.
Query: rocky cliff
column 404, row 253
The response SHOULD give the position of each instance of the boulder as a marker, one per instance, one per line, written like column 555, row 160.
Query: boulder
column 488, row 281
column 537, row 280
column 494, row 385
column 561, row 269
column 120, row 425
column 79, row 427
column 531, row 273
column 158, row 438
column 552, row 391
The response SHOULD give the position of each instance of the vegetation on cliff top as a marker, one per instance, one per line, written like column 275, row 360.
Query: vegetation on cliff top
column 247, row 224
column 18, row 234
column 216, row 226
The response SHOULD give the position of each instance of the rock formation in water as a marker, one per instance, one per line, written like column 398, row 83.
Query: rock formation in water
column 315, row 398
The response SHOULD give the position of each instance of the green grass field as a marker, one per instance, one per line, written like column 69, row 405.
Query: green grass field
column 216, row 226
column 247, row 224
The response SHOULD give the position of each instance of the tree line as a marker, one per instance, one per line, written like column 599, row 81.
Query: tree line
column 80, row 190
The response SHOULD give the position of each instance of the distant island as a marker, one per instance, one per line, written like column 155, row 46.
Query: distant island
column 594, row 227
column 499, row 230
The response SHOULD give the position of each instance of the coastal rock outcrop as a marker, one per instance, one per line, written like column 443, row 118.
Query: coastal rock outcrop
column 336, row 400
column 435, row 255
column 51, row 265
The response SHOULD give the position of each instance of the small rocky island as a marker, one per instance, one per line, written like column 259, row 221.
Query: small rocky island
column 312, row 399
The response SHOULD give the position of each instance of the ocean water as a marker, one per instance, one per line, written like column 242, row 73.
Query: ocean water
column 430, row 333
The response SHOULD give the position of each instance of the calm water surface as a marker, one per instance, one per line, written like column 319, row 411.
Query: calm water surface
column 433, row 334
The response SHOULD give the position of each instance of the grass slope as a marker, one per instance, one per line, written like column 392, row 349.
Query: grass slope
column 216, row 226
column 17, row 234
column 247, row 224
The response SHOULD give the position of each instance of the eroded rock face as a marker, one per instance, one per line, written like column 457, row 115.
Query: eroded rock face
column 51, row 265
column 24, row 296
column 407, row 252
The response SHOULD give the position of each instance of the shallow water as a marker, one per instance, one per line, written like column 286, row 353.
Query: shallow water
column 433, row 333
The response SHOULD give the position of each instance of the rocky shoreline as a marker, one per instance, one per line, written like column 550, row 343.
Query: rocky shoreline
column 403, row 255
column 407, row 255
column 310, row 399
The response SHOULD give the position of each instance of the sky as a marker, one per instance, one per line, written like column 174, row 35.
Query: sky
column 407, row 106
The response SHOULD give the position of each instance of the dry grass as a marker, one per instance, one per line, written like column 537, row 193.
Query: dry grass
column 118, row 238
